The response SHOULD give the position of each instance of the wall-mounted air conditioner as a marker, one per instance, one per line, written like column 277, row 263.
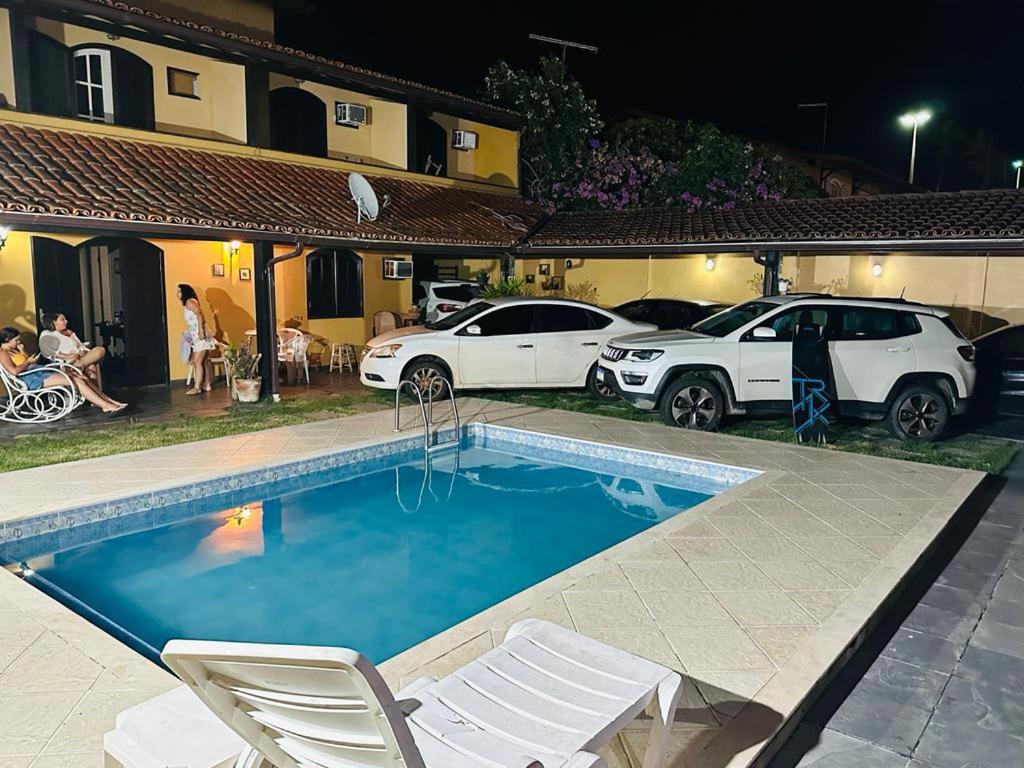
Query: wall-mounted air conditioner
column 397, row 269
column 465, row 139
column 352, row 115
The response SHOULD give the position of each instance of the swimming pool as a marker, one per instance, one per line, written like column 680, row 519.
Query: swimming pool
column 370, row 549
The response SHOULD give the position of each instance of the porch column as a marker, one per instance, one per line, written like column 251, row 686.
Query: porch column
column 508, row 266
column 266, row 323
column 772, row 262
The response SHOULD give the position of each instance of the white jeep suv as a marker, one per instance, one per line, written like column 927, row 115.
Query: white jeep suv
column 891, row 359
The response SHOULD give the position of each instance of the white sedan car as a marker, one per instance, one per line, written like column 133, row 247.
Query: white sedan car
column 495, row 343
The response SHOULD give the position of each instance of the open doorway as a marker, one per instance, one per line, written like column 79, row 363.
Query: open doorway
column 112, row 292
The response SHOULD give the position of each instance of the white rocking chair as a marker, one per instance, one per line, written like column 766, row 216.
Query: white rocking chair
column 38, row 406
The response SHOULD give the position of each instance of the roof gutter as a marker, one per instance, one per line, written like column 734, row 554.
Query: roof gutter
column 818, row 246
column 46, row 222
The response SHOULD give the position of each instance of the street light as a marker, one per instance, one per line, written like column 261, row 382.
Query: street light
column 912, row 120
column 1017, row 164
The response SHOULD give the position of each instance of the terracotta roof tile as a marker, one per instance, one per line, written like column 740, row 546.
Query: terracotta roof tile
column 85, row 176
column 992, row 214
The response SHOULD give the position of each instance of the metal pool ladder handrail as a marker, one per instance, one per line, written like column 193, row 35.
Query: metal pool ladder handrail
column 427, row 412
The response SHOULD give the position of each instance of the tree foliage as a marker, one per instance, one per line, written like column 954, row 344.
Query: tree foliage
column 641, row 162
column 559, row 118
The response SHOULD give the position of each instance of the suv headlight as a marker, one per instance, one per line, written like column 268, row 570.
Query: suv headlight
column 644, row 355
column 388, row 350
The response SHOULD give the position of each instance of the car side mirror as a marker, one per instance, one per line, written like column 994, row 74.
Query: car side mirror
column 764, row 332
column 472, row 330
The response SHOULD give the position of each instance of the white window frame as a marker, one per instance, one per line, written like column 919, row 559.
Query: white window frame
column 106, row 86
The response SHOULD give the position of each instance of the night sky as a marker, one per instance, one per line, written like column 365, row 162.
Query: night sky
column 742, row 67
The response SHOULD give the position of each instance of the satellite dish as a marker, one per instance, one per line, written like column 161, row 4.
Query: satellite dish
column 367, row 205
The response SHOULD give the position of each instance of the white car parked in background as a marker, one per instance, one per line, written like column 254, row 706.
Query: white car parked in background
column 494, row 343
column 891, row 359
column 440, row 298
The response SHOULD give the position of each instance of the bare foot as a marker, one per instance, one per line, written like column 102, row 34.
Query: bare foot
column 191, row 391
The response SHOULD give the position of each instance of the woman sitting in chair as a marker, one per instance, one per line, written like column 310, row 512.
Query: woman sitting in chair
column 35, row 376
column 70, row 348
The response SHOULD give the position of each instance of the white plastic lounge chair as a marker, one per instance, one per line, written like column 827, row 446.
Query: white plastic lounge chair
column 37, row 406
column 547, row 697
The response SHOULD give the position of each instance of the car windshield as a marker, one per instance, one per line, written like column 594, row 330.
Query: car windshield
column 457, row 318
column 726, row 322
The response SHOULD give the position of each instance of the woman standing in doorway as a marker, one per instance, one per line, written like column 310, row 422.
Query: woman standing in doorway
column 202, row 340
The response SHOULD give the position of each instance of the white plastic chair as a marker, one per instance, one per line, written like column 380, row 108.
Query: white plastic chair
column 291, row 348
column 547, row 697
column 38, row 406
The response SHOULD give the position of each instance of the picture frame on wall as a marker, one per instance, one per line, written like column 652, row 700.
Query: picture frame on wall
column 244, row 273
column 217, row 270
column 543, row 269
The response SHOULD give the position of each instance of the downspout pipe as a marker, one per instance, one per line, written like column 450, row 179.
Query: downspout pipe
column 271, row 330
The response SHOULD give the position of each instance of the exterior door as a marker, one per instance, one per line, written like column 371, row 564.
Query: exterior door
column 144, row 316
column 505, row 352
column 57, row 274
column 766, row 365
column 567, row 344
column 871, row 349
column 52, row 80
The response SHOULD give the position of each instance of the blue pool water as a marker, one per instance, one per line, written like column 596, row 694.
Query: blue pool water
column 369, row 557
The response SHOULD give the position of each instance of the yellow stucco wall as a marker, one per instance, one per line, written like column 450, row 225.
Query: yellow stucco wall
column 619, row 280
column 981, row 292
column 218, row 113
column 6, row 58
column 381, row 141
column 228, row 303
column 17, row 289
column 496, row 158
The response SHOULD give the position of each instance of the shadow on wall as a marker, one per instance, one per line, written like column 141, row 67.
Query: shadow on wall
column 229, row 321
column 973, row 322
column 14, row 311
column 500, row 179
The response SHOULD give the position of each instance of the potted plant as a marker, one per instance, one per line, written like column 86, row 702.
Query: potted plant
column 242, row 363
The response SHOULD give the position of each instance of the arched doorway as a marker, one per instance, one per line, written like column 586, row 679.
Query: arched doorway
column 298, row 122
column 431, row 147
column 112, row 292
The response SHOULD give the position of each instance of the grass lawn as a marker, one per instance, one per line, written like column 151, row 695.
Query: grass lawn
column 124, row 437
column 965, row 451
column 988, row 454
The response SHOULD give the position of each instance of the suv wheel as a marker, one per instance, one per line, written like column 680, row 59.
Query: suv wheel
column 693, row 402
column 428, row 377
column 598, row 389
column 919, row 413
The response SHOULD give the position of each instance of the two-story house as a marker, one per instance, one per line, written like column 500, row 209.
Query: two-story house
column 152, row 144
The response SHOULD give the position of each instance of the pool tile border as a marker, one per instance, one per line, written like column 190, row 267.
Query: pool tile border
column 139, row 511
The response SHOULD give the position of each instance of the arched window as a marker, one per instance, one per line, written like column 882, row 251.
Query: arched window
column 94, row 91
column 334, row 284
column 112, row 85
column 298, row 122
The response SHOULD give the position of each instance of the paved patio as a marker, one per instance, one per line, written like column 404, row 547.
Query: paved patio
column 753, row 595
column 944, row 688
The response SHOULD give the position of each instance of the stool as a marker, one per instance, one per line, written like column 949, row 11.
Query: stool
column 342, row 356
column 173, row 729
